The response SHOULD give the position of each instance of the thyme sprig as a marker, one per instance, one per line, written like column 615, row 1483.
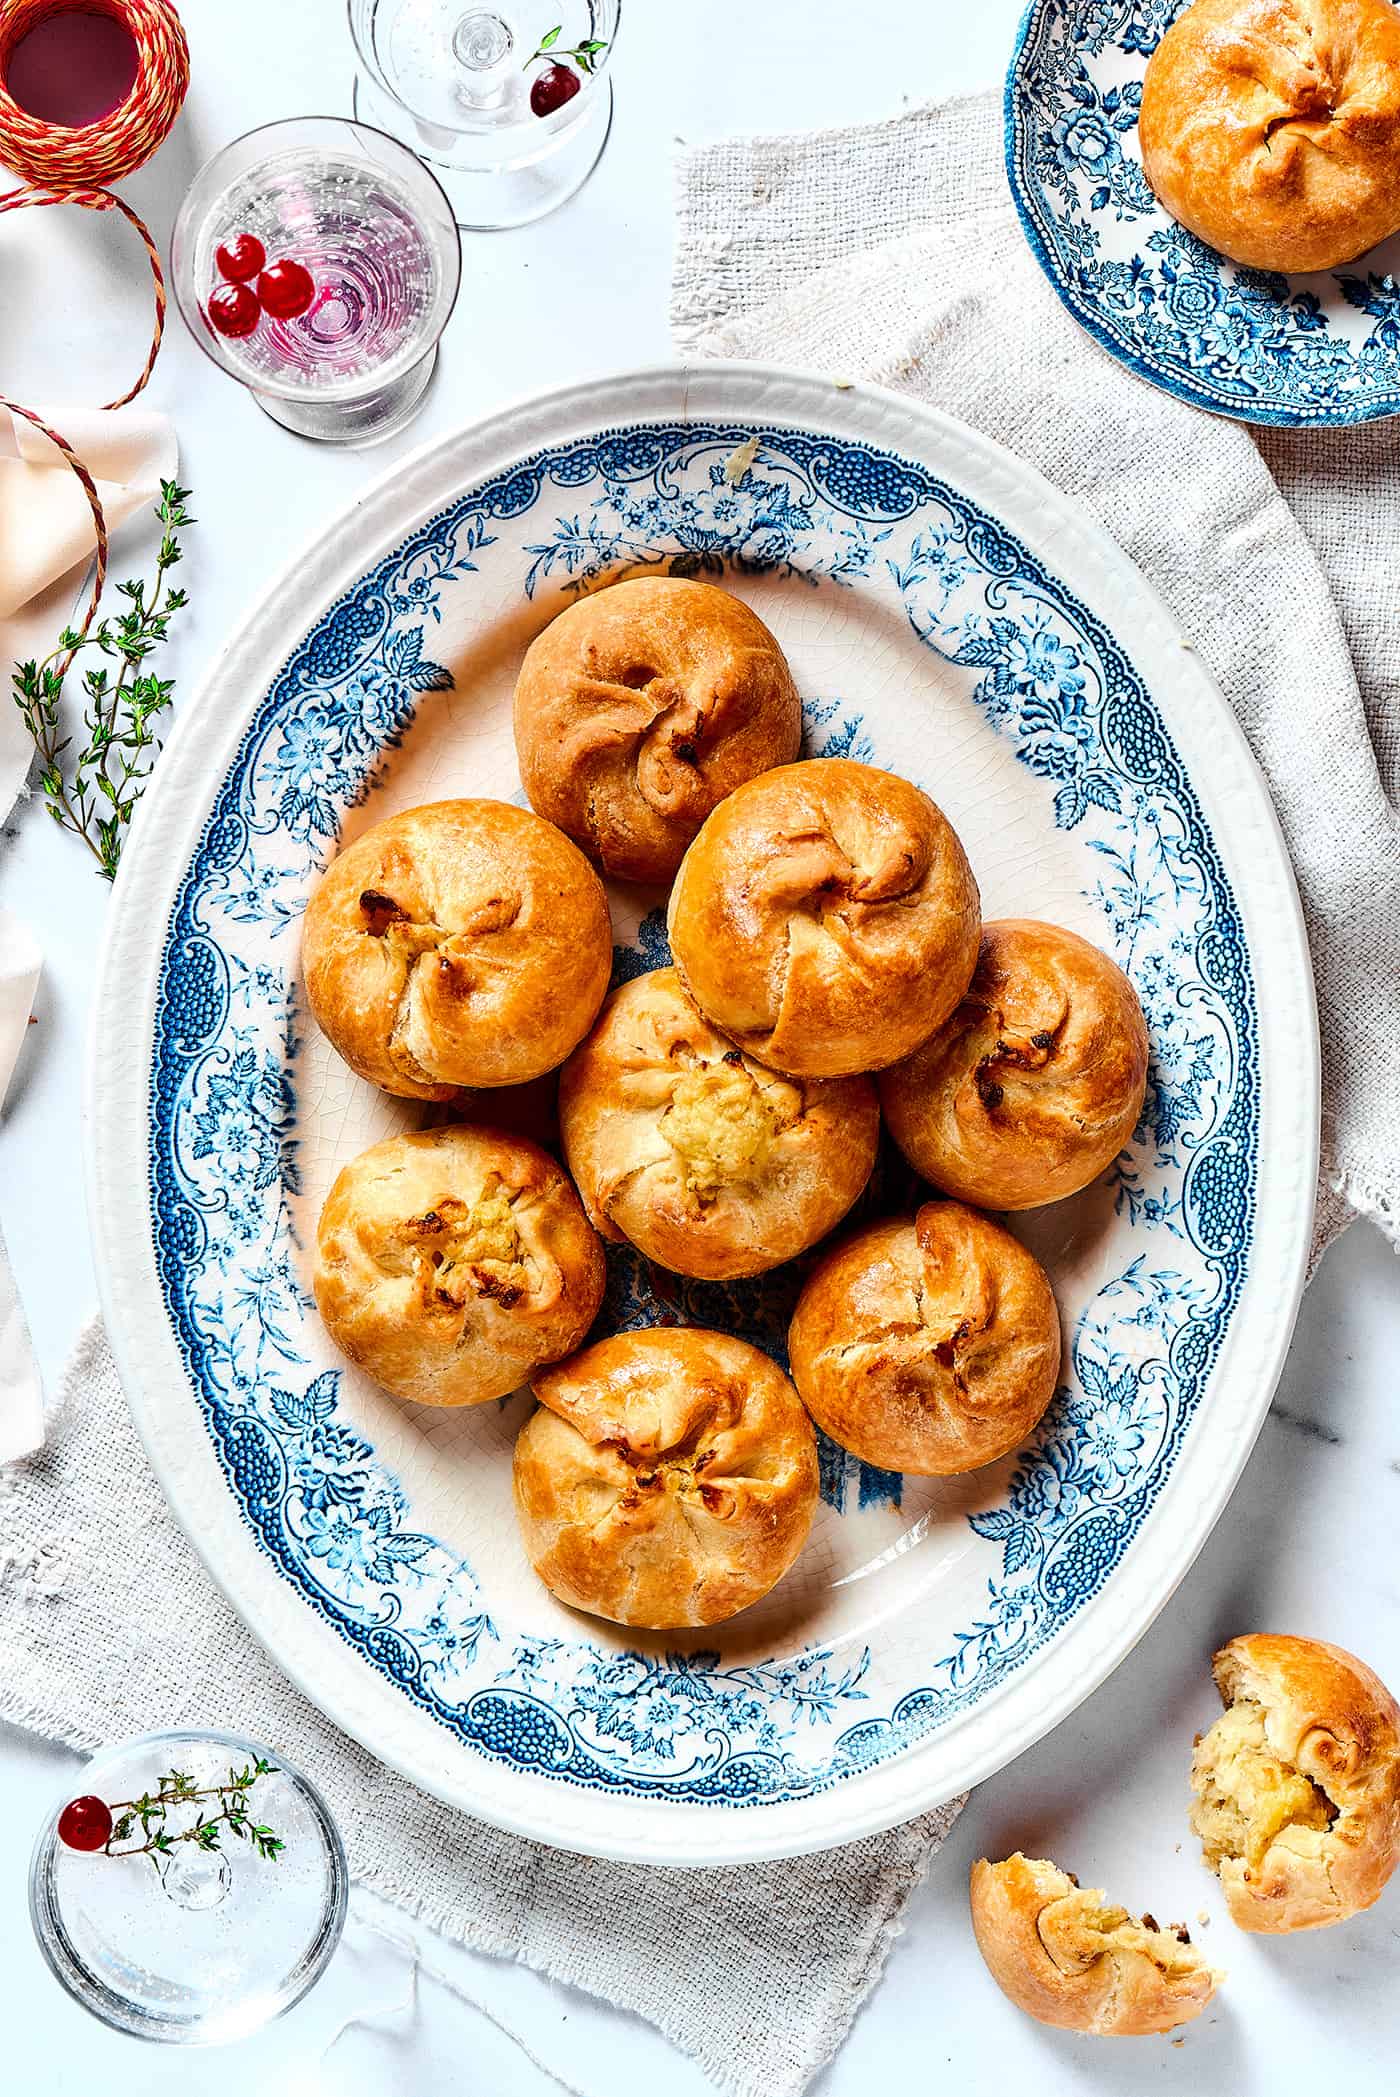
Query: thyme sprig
column 584, row 55
column 94, row 793
column 178, row 1789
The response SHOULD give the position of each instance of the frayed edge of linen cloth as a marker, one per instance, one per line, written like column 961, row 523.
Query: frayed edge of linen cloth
column 891, row 252
column 879, row 1923
column 756, row 1971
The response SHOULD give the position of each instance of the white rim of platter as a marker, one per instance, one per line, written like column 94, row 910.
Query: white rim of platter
column 948, row 614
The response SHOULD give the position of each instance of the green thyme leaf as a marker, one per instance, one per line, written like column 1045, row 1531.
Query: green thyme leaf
column 117, row 714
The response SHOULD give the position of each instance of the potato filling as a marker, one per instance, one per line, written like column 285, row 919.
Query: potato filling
column 474, row 1249
column 1245, row 1794
column 1080, row 1914
column 721, row 1124
column 489, row 1232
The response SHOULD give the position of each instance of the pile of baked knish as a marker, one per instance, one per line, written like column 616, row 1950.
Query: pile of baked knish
column 722, row 1115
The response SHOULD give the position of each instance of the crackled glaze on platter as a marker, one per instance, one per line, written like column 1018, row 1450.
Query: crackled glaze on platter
column 871, row 534
column 1312, row 350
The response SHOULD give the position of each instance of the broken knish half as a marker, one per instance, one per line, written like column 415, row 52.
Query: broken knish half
column 1068, row 1956
column 1297, row 1784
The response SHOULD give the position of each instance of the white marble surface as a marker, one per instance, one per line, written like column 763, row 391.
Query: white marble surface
column 1307, row 1543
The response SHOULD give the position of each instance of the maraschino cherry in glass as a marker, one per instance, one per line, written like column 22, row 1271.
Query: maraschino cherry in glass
column 234, row 310
column 286, row 290
column 85, row 1823
column 191, row 1888
column 238, row 260
column 318, row 262
column 552, row 88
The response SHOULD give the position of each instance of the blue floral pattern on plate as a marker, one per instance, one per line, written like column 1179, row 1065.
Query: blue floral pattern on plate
column 329, row 1512
column 1254, row 344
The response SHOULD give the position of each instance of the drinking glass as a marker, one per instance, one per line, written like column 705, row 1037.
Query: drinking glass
column 192, row 1944
column 453, row 80
column 364, row 216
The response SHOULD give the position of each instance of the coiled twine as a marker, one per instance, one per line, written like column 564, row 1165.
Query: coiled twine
column 54, row 156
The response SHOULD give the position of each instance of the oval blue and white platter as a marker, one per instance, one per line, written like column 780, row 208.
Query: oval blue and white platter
column 1302, row 351
column 946, row 614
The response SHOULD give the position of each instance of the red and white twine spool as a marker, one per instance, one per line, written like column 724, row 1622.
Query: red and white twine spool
column 65, row 165
column 53, row 156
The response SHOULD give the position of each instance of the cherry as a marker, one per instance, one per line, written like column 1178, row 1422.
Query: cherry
column 552, row 88
column 234, row 309
column 286, row 290
column 240, row 258
column 85, row 1823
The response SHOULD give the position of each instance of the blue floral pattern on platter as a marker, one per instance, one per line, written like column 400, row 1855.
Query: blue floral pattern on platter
column 330, row 1514
column 1254, row 344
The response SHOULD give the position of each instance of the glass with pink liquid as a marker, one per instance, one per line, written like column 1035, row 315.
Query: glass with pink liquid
column 318, row 262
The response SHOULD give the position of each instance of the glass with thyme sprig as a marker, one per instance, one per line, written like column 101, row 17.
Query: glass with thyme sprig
column 91, row 785
column 240, row 1913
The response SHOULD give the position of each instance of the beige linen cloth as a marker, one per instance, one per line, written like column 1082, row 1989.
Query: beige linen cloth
column 893, row 252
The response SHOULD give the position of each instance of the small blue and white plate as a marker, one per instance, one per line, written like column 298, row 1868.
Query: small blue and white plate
column 1303, row 351
column 947, row 614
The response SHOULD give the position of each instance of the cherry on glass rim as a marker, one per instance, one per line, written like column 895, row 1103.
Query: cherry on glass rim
column 286, row 290
column 552, row 88
column 234, row 310
column 241, row 258
column 85, row 1823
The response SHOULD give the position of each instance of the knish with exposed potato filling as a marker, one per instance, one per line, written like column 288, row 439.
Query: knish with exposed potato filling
column 452, row 1263
column 1070, row 1957
column 707, row 1161
column 1297, row 1784
column 721, row 1123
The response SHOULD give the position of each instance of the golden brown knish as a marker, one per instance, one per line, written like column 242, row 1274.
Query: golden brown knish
column 709, row 1163
column 639, row 708
column 463, row 943
column 826, row 918
column 451, row 1264
column 1271, row 128
column 669, row 1477
column 928, row 1344
column 1067, row 1957
column 1037, row 1080
column 1298, row 1783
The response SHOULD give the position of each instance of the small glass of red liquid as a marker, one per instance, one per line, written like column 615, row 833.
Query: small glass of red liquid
column 355, row 268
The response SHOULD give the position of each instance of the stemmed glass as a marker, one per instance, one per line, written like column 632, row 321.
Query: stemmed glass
column 348, row 358
column 194, row 1890
column 460, row 84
